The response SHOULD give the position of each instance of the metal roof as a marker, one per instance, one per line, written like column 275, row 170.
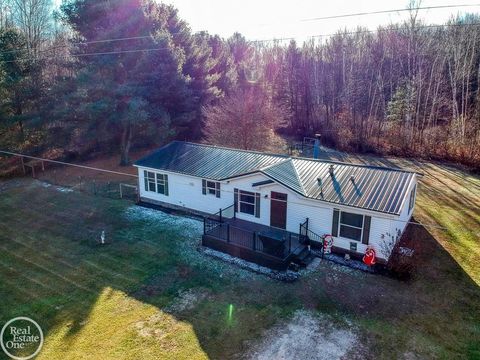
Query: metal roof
column 207, row 161
column 368, row 187
column 285, row 173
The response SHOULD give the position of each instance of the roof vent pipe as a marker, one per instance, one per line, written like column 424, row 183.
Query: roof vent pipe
column 320, row 183
column 316, row 146
column 331, row 171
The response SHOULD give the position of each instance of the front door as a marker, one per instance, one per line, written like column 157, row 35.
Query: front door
column 278, row 210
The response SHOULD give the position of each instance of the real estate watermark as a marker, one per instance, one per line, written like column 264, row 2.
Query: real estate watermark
column 21, row 335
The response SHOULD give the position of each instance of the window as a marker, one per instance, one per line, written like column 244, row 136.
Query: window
column 411, row 202
column 156, row 182
column 162, row 184
column 249, row 203
column 351, row 226
column 149, row 180
column 211, row 188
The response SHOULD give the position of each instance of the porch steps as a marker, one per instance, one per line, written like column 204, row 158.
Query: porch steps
column 302, row 257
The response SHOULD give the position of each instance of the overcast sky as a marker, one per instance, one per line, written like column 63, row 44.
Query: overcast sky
column 265, row 19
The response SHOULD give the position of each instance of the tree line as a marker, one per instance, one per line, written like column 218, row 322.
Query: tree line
column 98, row 76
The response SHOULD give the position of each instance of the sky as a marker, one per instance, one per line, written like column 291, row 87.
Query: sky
column 267, row 19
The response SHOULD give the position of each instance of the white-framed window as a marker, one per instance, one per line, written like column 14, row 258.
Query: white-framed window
column 411, row 201
column 155, row 182
column 210, row 187
column 351, row 226
column 249, row 203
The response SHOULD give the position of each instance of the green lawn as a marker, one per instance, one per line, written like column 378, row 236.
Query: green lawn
column 121, row 300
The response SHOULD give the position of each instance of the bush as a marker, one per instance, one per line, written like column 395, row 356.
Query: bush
column 400, row 265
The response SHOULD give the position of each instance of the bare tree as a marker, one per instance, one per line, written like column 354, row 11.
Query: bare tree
column 34, row 19
column 246, row 120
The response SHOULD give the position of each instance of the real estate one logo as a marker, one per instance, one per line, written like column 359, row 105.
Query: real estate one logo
column 21, row 335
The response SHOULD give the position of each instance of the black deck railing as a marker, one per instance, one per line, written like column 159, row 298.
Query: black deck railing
column 309, row 237
column 277, row 243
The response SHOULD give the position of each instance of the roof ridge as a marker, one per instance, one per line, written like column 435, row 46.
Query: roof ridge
column 354, row 164
column 297, row 157
column 298, row 176
column 234, row 149
column 289, row 160
column 274, row 164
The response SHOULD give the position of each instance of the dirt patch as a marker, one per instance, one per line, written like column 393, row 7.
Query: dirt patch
column 186, row 300
column 307, row 336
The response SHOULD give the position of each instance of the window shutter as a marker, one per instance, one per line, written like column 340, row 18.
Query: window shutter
column 235, row 200
column 257, row 205
column 366, row 229
column 145, row 179
column 204, row 187
column 336, row 214
column 217, row 189
column 165, row 177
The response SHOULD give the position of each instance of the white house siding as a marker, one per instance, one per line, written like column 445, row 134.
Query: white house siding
column 186, row 191
column 320, row 214
column 401, row 222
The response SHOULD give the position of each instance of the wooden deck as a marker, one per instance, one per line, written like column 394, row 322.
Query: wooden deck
column 253, row 242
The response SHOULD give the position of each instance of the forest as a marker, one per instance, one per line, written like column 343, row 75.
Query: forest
column 103, row 76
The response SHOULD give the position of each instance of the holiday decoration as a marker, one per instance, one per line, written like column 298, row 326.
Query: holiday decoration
column 369, row 257
column 327, row 244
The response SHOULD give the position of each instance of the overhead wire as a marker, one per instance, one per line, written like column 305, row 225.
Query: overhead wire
column 376, row 12
column 186, row 184
column 290, row 38
column 252, row 41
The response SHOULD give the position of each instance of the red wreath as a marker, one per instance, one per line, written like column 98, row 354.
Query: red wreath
column 369, row 257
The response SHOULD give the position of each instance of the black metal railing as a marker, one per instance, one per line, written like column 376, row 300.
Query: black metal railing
column 226, row 213
column 308, row 237
column 281, row 245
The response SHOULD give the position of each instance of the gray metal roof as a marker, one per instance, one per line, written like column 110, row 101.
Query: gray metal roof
column 285, row 173
column 368, row 187
column 207, row 161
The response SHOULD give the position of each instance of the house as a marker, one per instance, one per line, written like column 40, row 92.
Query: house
column 267, row 208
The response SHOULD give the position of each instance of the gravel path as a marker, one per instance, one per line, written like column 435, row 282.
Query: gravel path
column 307, row 336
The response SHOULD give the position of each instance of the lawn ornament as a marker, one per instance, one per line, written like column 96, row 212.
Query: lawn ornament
column 327, row 243
column 370, row 256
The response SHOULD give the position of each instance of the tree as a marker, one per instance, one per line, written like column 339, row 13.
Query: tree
column 34, row 19
column 16, row 84
column 113, row 88
column 246, row 120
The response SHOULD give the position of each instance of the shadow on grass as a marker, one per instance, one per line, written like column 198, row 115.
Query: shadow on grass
column 55, row 271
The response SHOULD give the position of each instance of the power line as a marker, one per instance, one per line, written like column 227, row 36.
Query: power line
column 86, row 43
column 253, row 41
column 188, row 184
column 303, row 20
column 66, row 163
column 389, row 11
column 90, row 54
column 364, row 32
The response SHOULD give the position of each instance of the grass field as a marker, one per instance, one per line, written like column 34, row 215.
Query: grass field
column 149, row 294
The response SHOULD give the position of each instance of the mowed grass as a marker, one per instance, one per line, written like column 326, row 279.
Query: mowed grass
column 96, row 301
column 117, row 301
